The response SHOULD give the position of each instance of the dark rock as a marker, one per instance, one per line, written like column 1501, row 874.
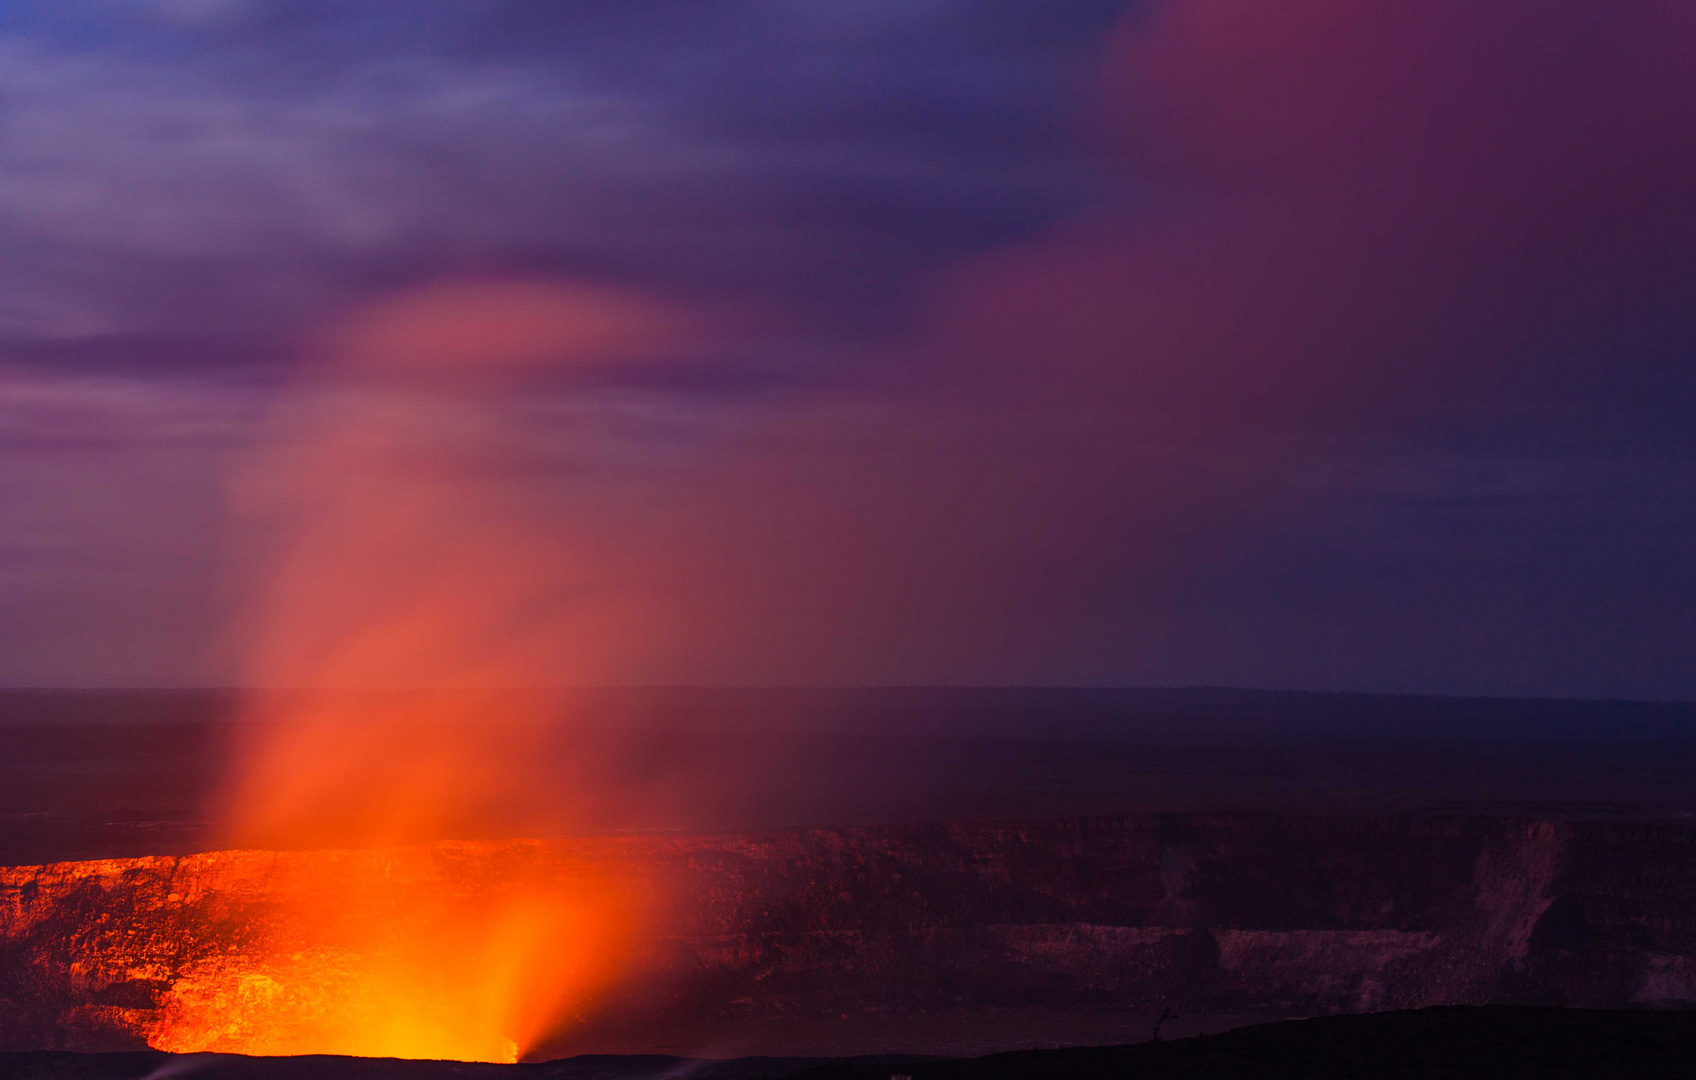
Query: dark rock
column 1494, row 1042
column 1199, row 914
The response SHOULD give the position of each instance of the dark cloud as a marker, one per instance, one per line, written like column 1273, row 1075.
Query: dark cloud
column 1240, row 343
column 1356, row 213
column 251, row 164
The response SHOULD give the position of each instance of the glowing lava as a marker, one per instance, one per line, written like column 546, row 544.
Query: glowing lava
column 362, row 960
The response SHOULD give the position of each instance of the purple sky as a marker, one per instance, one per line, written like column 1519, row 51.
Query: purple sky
column 1323, row 345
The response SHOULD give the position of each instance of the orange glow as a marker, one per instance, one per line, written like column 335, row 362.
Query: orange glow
column 396, row 564
column 367, row 965
column 462, row 326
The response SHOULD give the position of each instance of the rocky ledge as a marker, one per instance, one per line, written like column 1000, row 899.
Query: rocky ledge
column 1161, row 914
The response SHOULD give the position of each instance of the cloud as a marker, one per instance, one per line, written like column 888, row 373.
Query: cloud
column 1328, row 218
column 111, row 537
column 242, row 175
column 1362, row 201
column 996, row 409
column 489, row 325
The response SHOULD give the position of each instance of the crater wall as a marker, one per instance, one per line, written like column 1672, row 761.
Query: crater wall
column 1215, row 913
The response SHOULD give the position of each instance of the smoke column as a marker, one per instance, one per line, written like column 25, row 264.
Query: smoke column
column 411, row 619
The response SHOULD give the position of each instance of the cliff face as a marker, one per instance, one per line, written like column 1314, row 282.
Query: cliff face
column 1215, row 913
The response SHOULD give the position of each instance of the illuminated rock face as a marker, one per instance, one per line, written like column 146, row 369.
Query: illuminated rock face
column 487, row 949
column 451, row 950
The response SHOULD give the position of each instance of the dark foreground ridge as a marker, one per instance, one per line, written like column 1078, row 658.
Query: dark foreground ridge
column 1496, row 1041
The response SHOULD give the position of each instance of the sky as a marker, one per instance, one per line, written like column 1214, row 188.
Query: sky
column 1323, row 345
